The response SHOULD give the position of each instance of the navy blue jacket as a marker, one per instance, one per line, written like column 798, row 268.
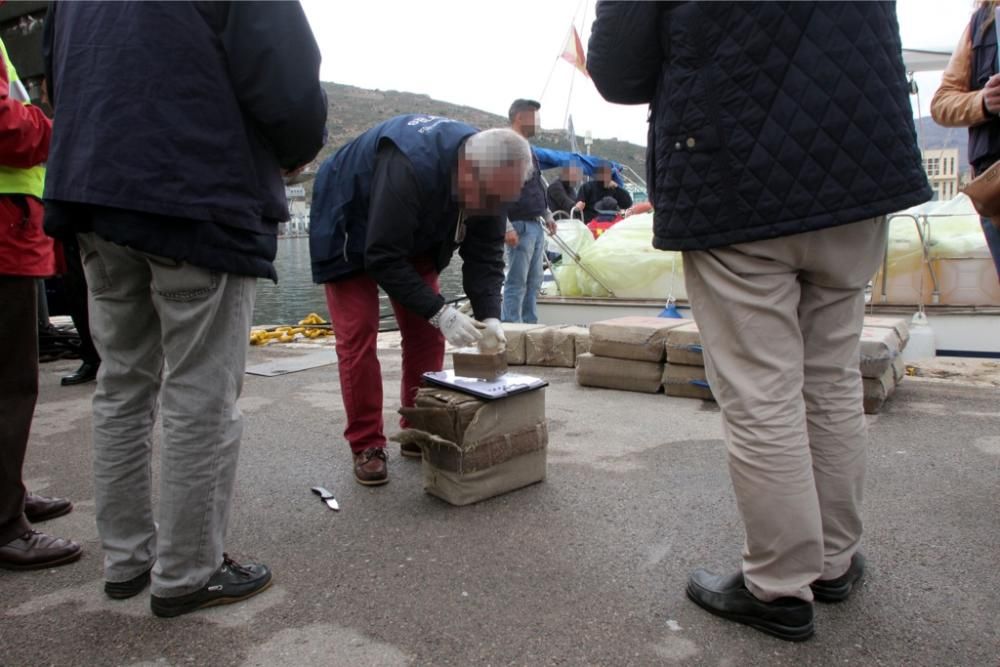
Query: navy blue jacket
column 187, row 113
column 387, row 198
column 766, row 118
column 984, row 139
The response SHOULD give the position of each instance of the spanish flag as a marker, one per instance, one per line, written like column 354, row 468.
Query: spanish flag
column 573, row 52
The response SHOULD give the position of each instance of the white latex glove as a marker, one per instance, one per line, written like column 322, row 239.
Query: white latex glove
column 494, row 339
column 457, row 328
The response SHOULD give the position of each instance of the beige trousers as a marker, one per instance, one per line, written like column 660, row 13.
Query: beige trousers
column 780, row 322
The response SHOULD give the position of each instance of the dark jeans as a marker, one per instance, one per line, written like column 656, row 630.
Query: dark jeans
column 992, row 235
column 76, row 288
column 18, row 392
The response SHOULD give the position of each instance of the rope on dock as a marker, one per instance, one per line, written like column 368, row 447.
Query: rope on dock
column 311, row 327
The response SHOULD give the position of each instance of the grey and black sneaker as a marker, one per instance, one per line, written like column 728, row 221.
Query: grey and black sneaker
column 231, row 583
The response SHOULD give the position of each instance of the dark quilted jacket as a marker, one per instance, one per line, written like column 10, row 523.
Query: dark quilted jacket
column 766, row 119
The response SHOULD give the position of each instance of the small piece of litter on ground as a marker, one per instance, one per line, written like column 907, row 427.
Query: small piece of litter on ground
column 465, row 594
column 673, row 625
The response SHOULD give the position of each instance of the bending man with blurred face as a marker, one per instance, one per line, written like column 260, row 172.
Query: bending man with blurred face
column 389, row 210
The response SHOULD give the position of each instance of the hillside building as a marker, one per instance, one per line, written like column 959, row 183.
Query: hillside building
column 943, row 171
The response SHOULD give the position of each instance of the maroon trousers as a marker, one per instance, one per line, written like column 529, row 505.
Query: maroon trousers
column 354, row 312
column 18, row 392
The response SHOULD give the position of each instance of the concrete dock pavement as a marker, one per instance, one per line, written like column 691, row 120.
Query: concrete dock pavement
column 587, row 568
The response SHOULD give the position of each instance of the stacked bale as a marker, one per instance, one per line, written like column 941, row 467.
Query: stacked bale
column 626, row 353
column 882, row 367
column 684, row 374
column 475, row 449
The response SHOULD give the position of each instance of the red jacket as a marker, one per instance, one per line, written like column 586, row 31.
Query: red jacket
column 25, row 250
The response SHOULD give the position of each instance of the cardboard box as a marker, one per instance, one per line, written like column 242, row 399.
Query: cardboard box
column 611, row 373
column 638, row 338
column 516, row 355
column 471, row 363
column 900, row 325
column 878, row 390
column 684, row 346
column 686, row 381
column 879, row 348
column 550, row 346
column 475, row 449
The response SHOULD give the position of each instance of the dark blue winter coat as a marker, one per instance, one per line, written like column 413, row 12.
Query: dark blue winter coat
column 766, row 118
column 184, row 115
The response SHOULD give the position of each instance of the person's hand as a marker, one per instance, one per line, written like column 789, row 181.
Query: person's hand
column 612, row 185
column 551, row 225
column 579, row 206
column 511, row 238
column 991, row 94
column 627, row 212
column 457, row 328
column 494, row 339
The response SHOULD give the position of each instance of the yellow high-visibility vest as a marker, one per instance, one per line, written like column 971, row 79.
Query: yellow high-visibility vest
column 15, row 181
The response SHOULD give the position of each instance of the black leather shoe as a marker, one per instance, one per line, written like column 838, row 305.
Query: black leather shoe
column 790, row 619
column 85, row 373
column 40, row 508
column 839, row 589
column 36, row 551
column 231, row 583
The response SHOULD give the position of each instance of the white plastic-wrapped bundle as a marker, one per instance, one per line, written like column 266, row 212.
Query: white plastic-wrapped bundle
column 623, row 258
column 957, row 251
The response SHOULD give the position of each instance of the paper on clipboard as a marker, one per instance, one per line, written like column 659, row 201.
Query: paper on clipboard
column 507, row 384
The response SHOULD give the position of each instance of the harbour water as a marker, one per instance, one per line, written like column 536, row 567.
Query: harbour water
column 295, row 295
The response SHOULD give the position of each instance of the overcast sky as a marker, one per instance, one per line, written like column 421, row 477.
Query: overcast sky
column 486, row 54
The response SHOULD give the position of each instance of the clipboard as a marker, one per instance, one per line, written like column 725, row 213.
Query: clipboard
column 507, row 384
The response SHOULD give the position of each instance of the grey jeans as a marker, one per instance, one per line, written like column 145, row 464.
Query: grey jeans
column 176, row 334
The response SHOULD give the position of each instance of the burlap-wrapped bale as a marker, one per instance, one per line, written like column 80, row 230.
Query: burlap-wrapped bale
column 516, row 354
column 878, row 390
column 686, row 381
column 626, row 374
column 638, row 338
column 550, row 346
column 879, row 349
column 898, row 324
column 684, row 346
column 475, row 449
column 581, row 338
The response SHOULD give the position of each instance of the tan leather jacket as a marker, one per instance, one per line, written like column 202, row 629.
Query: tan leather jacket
column 954, row 105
